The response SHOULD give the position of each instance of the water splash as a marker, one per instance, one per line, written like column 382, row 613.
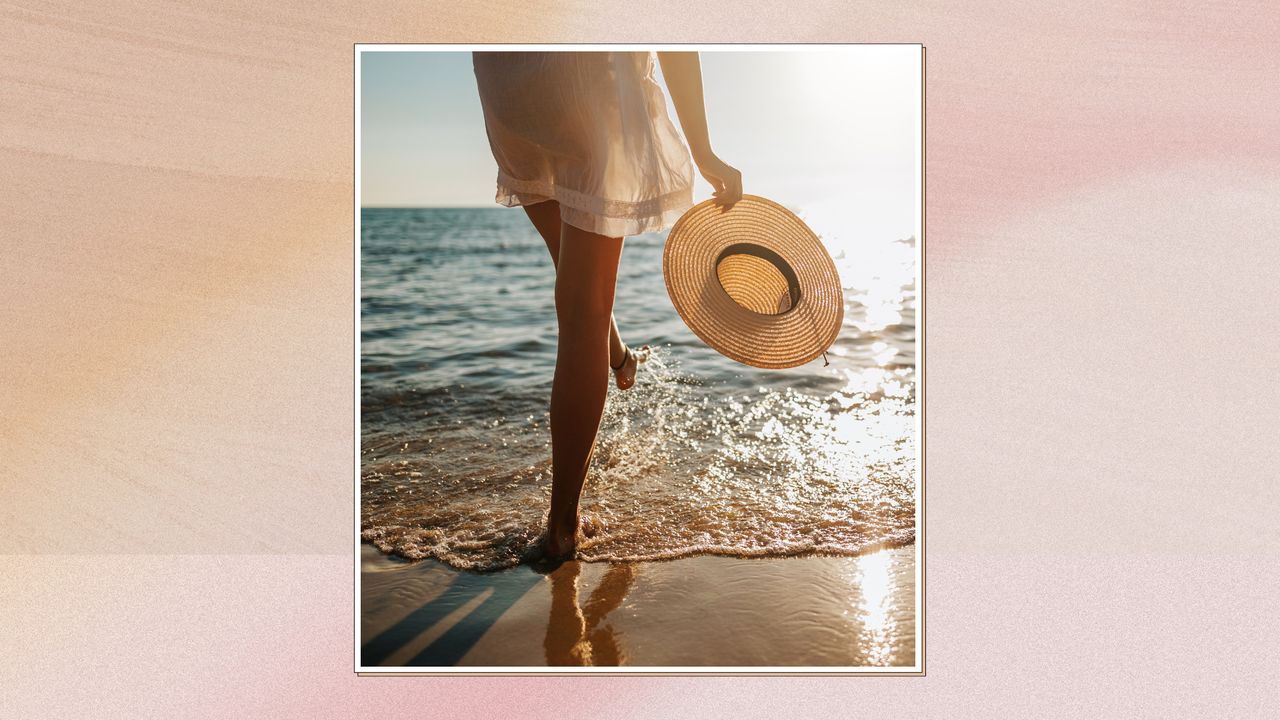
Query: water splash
column 679, row 469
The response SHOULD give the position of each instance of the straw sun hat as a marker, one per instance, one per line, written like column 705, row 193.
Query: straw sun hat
column 753, row 282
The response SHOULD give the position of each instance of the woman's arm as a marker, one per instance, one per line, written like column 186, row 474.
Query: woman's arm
column 683, row 73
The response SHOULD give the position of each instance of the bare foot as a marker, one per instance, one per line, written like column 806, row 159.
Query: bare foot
column 625, row 374
column 560, row 542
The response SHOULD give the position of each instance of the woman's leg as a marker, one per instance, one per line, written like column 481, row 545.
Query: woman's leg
column 586, row 272
column 546, row 218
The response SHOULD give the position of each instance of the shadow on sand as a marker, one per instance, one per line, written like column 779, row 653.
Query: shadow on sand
column 471, row 605
column 499, row 592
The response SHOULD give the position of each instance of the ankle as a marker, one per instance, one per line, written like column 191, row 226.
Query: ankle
column 563, row 526
column 622, row 362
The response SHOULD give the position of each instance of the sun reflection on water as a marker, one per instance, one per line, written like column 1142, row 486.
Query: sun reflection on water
column 875, row 585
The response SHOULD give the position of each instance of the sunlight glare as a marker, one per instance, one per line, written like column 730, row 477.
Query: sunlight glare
column 875, row 583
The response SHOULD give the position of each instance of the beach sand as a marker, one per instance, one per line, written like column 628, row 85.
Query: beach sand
column 697, row 611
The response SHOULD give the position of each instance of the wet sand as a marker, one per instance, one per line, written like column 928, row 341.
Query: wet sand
column 698, row 611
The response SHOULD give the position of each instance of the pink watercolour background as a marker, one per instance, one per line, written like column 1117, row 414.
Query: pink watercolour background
column 1101, row 537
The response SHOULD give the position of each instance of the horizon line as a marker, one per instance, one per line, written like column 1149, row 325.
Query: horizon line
column 427, row 207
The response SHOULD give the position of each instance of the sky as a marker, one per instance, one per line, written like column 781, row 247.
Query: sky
column 831, row 130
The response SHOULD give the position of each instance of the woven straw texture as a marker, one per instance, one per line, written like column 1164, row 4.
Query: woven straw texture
column 773, row 330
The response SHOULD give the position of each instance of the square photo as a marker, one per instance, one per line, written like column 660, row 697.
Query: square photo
column 640, row 358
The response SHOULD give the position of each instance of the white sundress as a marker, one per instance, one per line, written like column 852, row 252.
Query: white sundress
column 587, row 129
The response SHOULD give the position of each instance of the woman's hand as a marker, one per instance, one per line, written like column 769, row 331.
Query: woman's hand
column 724, row 178
column 683, row 73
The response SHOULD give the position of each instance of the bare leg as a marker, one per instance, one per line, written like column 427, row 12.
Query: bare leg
column 587, row 270
column 546, row 218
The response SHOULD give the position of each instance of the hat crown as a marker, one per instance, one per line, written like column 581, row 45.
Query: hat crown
column 758, row 279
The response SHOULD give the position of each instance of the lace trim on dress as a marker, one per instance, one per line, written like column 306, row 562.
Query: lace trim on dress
column 612, row 218
column 513, row 193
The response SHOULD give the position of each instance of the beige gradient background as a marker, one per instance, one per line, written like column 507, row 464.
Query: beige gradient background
column 176, row 393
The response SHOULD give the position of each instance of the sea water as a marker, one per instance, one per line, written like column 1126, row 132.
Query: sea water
column 703, row 455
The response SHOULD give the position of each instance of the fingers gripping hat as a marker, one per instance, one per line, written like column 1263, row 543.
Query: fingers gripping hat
column 753, row 282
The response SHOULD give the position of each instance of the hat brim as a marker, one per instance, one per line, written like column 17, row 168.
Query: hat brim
column 791, row 338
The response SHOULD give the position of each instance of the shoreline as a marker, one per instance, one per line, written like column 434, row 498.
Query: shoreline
column 704, row 610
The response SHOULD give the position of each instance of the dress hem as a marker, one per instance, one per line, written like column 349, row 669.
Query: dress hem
column 613, row 218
